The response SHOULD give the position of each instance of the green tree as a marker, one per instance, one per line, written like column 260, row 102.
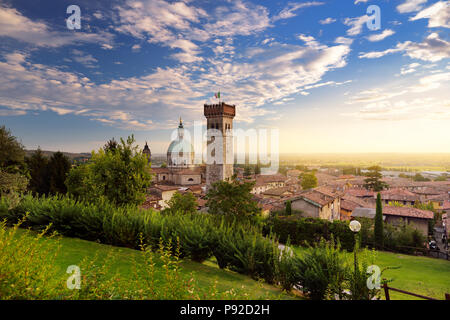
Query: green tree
column 232, row 198
column 288, row 208
column 164, row 165
column 247, row 171
column 373, row 181
column 419, row 177
column 58, row 168
column 12, row 166
column 378, row 226
column 308, row 180
column 182, row 203
column 111, row 145
column 443, row 177
column 257, row 169
column 39, row 174
column 121, row 175
column 12, row 153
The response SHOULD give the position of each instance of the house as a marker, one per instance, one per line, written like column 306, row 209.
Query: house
column 318, row 203
column 278, row 193
column 350, row 203
column 399, row 216
column 267, row 182
column 164, row 193
column 400, row 195
column 413, row 217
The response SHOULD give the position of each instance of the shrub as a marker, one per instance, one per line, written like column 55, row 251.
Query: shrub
column 303, row 231
column 323, row 271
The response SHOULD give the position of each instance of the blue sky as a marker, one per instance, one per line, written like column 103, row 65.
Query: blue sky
column 311, row 69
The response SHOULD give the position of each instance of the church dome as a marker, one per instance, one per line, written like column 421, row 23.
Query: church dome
column 180, row 152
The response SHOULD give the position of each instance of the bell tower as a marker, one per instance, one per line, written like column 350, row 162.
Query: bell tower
column 220, row 156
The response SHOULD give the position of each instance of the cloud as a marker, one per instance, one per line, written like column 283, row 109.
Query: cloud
column 431, row 49
column 277, row 72
column 411, row 68
column 136, row 47
column 431, row 82
column 327, row 21
column 289, row 11
column 8, row 113
column 360, row 1
column 85, row 59
column 356, row 24
column 410, row 6
column 383, row 35
column 183, row 26
column 438, row 15
column 14, row 25
column 343, row 40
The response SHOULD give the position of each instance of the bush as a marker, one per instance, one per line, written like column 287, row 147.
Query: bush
column 27, row 272
column 304, row 231
column 236, row 243
column 323, row 271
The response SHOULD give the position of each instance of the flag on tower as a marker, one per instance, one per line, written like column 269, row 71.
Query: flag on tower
column 217, row 95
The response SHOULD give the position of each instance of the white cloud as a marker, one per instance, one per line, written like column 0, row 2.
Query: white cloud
column 8, row 112
column 410, row 6
column 327, row 21
column 343, row 40
column 360, row 1
column 289, row 11
column 14, row 25
column 277, row 73
column 383, row 35
column 136, row 47
column 431, row 49
column 356, row 24
column 411, row 68
column 438, row 15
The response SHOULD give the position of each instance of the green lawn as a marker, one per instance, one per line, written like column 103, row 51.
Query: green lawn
column 426, row 276
column 73, row 251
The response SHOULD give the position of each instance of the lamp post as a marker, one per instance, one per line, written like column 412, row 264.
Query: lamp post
column 355, row 226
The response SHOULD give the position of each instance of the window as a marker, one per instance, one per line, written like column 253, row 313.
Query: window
column 190, row 179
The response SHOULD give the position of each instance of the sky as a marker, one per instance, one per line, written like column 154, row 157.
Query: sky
column 312, row 70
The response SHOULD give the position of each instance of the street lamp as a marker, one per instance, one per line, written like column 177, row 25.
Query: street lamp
column 355, row 226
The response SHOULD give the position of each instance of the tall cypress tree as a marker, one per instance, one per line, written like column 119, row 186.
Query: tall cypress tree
column 378, row 228
column 38, row 167
column 288, row 208
column 58, row 167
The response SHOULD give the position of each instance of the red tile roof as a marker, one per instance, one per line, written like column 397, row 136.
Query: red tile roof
column 408, row 212
column 446, row 205
column 398, row 194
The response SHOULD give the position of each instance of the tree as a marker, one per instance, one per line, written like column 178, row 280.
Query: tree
column 12, row 153
column 288, row 208
column 419, row 177
column 111, row 145
column 247, row 171
column 232, row 198
column 12, row 165
column 182, row 203
column 58, row 168
column 39, row 174
column 164, row 165
column 378, row 226
column 373, row 181
column 257, row 169
column 308, row 180
column 122, row 175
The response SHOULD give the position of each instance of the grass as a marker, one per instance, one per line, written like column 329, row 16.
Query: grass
column 422, row 275
column 74, row 250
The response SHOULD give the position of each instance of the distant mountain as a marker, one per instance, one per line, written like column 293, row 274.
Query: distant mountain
column 70, row 155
